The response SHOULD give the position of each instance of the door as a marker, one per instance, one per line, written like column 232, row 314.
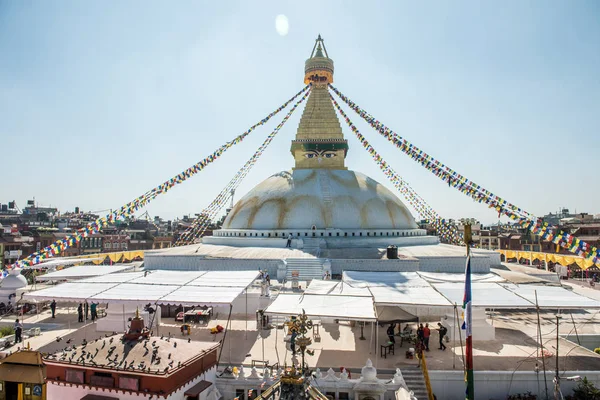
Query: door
column 12, row 390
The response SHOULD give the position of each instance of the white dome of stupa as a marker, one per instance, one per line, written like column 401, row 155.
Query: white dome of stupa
column 323, row 198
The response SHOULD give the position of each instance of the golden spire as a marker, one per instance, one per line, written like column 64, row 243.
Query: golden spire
column 319, row 143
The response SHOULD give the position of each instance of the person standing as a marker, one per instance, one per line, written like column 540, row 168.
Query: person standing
column 426, row 335
column 18, row 331
column 289, row 241
column 53, row 308
column 80, row 312
column 94, row 311
column 390, row 333
column 420, row 333
column 442, row 330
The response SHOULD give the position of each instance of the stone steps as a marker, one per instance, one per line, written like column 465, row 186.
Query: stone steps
column 415, row 382
column 312, row 246
column 308, row 268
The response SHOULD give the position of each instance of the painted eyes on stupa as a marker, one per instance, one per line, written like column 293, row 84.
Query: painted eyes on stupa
column 320, row 154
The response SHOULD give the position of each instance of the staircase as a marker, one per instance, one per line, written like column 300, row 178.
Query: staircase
column 308, row 268
column 415, row 382
column 312, row 246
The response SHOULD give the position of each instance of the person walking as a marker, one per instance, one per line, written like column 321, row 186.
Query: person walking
column 94, row 311
column 289, row 241
column 53, row 308
column 80, row 313
column 442, row 330
column 426, row 335
column 390, row 333
column 18, row 331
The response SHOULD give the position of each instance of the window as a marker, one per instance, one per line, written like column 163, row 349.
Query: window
column 104, row 379
column 74, row 376
column 107, row 245
column 124, row 245
column 115, row 245
column 129, row 383
column 240, row 393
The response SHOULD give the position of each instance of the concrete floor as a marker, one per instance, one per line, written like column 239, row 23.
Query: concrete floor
column 514, row 348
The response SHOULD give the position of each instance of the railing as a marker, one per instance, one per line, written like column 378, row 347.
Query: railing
column 426, row 377
column 271, row 391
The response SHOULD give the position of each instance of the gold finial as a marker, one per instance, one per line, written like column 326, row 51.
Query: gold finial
column 137, row 312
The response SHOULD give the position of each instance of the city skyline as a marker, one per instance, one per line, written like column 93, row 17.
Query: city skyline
column 114, row 104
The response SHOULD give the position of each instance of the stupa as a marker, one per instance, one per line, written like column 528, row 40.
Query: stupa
column 334, row 215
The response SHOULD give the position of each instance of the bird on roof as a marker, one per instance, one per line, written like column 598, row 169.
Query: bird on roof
column 175, row 344
column 189, row 340
column 169, row 357
column 69, row 341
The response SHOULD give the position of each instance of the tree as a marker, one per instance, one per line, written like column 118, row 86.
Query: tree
column 585, row 390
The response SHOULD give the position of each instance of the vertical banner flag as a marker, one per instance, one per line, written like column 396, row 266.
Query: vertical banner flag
column 468, row 327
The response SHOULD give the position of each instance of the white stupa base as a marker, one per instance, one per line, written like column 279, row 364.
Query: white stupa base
column 117, row 318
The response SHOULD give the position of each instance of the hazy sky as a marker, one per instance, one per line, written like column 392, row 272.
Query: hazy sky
column 101, row 101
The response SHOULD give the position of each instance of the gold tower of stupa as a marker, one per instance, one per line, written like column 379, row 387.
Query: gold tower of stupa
column 319, row 140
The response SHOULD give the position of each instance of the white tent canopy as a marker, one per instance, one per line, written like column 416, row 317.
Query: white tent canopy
column 423, row 290
column 440, row 277
column 161, row 287
column 70, row 291
column 396, row 288
column 552, row 296
column 335, row 288
column 84, row 271
column 488, row 295
column 357, row 308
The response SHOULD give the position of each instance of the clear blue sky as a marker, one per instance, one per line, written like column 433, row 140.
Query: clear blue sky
column 101, row 101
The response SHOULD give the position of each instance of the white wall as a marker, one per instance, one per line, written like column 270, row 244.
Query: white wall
column 497, row 385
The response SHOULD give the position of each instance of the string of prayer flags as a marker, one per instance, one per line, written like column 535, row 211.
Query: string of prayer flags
column 200, row 224
column 477, row 192
column 130, row 208
column 445, row 230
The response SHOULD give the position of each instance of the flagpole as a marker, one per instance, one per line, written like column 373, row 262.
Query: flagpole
column 468, row 304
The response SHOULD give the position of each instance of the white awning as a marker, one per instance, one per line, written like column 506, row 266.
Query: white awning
column 440, row 277
column 202, row 296
column 83, row 271
column 119, row 277
column 137, row 293
column 70, row 291
column 396, row 288
column 357, row 308
column 161, row 287
column 553, row 297
column 226, row 279
column 335, row 288
column 168, row 277
column 488, row 295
